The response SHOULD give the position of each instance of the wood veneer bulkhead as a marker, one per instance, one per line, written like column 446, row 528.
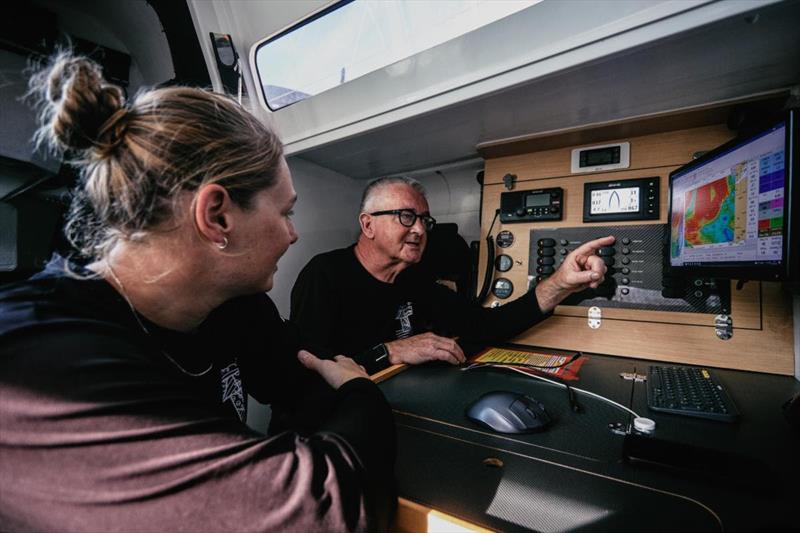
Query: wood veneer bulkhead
column 762, row 316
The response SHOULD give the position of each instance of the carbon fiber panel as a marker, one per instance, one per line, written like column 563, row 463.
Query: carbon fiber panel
column 572, row 476
column 527, row 493
column 636, row 279
column 418, row 393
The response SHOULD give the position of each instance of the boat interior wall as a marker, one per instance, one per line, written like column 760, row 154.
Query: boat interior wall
column 125, row 26
column 34, row 180
column 326, row 217
column 15, row 143
column 246, row 22
column 763, row 338
column 454, row 195
column 505, row 80
column 725, row 60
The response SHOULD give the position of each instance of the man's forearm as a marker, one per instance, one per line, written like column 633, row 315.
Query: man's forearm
column 549, row 295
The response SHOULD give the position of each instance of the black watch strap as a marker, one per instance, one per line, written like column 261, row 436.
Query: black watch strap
column 378, row 353
column 375, row 358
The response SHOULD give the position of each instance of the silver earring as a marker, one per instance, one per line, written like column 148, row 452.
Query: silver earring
column 224, row 244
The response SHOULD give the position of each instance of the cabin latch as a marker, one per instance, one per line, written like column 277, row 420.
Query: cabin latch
column 595, row 317
column 723, row 326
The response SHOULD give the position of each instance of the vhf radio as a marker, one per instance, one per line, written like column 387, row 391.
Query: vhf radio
column 529, row 206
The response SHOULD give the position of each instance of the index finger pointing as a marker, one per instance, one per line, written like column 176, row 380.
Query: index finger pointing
column 307, row 359
column 589, row 248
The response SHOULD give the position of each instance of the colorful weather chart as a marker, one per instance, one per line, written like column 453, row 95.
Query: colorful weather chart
column 770, row 194
column 710, row 212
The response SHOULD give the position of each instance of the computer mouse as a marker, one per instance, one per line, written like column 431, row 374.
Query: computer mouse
column 509, row 412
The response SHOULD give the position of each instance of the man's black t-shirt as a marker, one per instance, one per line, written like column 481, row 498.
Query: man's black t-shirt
column 109, row 424
column 342, row 309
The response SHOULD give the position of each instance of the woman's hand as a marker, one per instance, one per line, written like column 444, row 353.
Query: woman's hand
column 336, row 372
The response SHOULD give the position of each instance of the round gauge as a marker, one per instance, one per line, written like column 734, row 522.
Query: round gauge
column 505, row 239
column 503, row 263
column 502, row 288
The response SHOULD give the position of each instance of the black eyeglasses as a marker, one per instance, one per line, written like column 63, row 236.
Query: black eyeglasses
column 408, row 217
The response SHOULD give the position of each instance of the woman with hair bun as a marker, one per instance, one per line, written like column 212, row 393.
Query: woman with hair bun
column 124, row 370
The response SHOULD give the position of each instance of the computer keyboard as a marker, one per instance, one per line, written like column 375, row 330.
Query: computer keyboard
column 689, row 391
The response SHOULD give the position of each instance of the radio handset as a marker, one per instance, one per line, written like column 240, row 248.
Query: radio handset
column 488, row 273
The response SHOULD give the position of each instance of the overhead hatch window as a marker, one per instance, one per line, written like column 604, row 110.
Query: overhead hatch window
column 355, row 37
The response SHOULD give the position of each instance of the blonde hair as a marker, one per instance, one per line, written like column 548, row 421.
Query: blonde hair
column 134, row 159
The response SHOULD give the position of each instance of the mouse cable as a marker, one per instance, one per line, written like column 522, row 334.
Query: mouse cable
column 612, row 402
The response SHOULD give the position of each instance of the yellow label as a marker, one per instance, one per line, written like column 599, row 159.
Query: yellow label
column 501, row 355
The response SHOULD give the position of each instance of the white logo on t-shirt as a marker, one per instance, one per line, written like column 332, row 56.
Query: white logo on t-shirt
column 404, row 313
column 232, row 390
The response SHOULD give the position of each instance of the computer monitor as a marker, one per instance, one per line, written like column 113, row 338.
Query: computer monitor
column 730, row 211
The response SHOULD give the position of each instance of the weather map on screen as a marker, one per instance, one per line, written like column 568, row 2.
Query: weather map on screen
column 710, row 213
column 730, row 209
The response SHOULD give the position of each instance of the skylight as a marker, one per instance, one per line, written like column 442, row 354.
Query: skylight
column 355, row 37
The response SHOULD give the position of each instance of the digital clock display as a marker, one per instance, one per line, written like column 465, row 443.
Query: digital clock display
column 600, row 156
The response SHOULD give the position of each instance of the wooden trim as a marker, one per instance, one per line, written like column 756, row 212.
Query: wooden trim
column 669, row 149
column 386, row 373
column 768, row 350
column 415, row 518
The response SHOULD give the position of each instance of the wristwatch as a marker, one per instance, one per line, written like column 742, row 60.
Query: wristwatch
column 378, row 353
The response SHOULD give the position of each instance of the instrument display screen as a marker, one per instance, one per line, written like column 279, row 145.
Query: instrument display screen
column 537, row 200
column 600, row 156
column 609, row 201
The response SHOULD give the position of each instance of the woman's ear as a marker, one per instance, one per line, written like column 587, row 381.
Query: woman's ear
column 212, row 214
column 365, row 221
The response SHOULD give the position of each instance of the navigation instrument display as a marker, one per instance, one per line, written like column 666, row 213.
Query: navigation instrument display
column 627, row 199
column 607, row 201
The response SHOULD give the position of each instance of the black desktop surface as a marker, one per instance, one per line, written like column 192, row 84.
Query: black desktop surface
column 573, row 477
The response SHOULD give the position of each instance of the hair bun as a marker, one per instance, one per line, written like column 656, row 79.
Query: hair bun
column 76, row 103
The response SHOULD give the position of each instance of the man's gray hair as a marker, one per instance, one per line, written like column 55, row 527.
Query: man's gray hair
column 376, row 185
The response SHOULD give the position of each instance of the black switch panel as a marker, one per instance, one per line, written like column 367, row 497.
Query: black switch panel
column 636, row 277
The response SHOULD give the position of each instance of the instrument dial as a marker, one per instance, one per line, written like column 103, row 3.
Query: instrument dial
column 502, row 288
column 505, row 239
column 503, row 263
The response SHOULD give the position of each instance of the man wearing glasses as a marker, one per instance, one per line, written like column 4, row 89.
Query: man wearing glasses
column 367, row 302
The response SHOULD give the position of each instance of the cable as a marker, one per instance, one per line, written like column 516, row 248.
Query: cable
column 449, row 192
column 573, row 402
column 489, row 273
column 612, row 402
column 491, row 226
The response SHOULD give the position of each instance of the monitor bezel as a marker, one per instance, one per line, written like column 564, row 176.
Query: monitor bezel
column 753, row 272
